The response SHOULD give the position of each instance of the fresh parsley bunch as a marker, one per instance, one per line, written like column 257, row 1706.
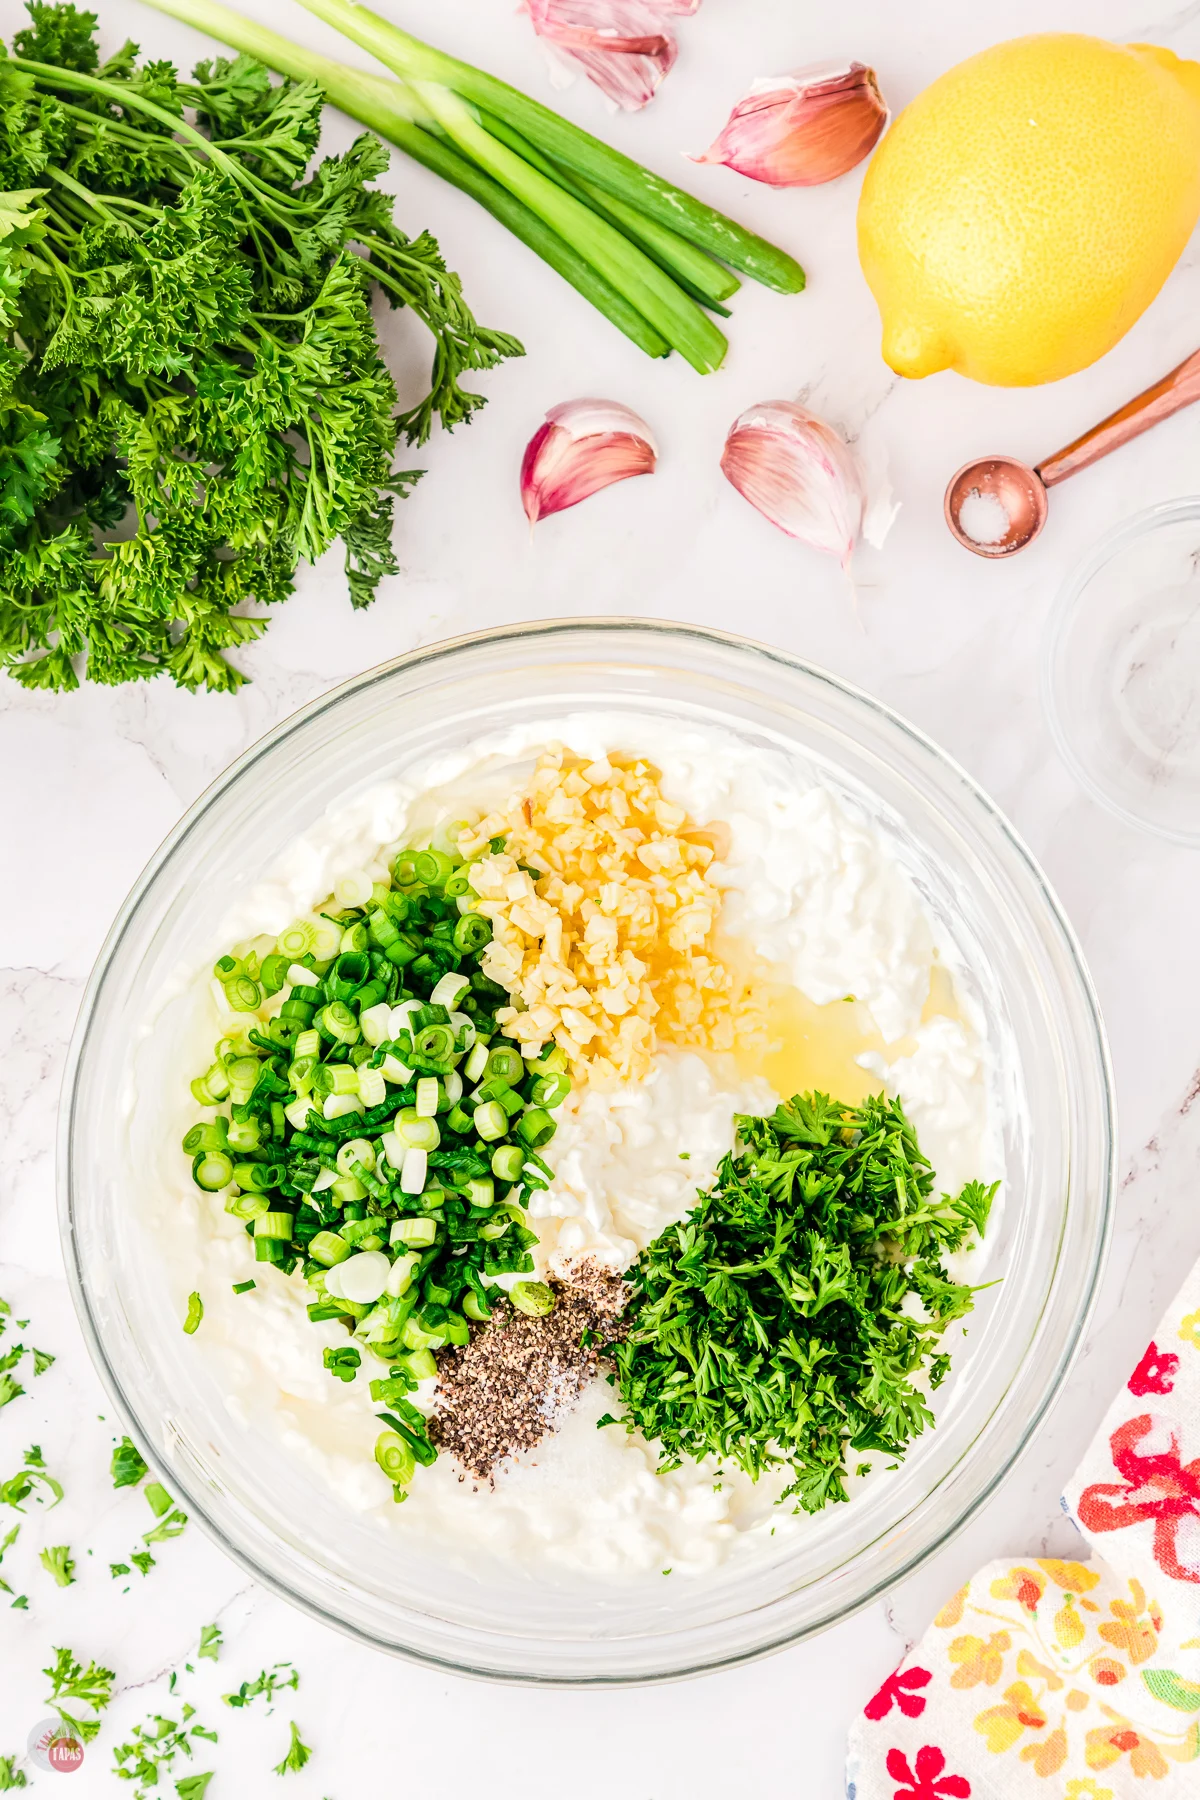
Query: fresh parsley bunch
column 770, row 1327
column 192, row 396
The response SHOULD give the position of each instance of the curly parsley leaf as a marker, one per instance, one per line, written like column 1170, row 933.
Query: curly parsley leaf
column 192, row 393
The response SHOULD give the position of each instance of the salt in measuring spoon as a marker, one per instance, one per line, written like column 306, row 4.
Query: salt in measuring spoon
column 1021, row 491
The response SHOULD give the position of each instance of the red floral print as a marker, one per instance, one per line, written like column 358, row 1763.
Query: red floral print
column 1156, row 1485
column 893, row 1693
column 927, row 1781
column 1155, row 1374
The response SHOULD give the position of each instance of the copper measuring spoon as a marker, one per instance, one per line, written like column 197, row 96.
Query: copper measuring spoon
column 1021, row 490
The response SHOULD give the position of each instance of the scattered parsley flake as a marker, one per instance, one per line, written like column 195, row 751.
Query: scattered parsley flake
column 298, row 1753
column 91, row 1686
column 42, row 1360
column 193, row 1787
column 116, row 1570
column 168, row 1527
column 195, row 1312
column 210, row 1642
column 128, row 1464
column 57, row 1560
column 158, row 1497
column 270, row 1682
column 9, row 1390
column 142, row 1559
column 10, row 1776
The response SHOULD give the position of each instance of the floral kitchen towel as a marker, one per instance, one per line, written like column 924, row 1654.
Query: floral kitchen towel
column 1071, row 1680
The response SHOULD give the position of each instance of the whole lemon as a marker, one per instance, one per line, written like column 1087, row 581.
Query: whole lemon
column 1027, row 207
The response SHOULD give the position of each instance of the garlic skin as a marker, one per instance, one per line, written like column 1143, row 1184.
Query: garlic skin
column 583, row 446
column 625, row 47
column 799, row 474
column 802, row 129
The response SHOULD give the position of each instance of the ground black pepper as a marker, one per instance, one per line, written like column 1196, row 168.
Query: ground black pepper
column 512, row 1384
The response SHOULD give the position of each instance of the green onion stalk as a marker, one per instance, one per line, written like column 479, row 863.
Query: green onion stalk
column 650, row 257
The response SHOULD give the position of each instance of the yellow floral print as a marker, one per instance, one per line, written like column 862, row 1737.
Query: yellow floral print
column 1084, row 1788
column 1189, row 1329
column 1048, row 1756
column 979, row 1660
column 1023, row 1584
column 1075, row 1577
column 1002, row 1725
column 1129, row 1630
column 952, row 1612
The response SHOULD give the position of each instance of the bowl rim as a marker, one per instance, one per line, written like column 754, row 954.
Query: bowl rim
column 564, row 628
column 1062, row 617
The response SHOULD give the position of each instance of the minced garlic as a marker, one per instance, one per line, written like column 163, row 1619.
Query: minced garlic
column 609, row 945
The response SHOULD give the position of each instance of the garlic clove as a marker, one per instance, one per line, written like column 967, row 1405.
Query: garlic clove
column 626, row 47
column 583, row 446
column 799, row 474
column 802, row 129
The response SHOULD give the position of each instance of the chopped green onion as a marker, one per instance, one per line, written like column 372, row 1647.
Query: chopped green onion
column 417, row 1133
column 491, row 1121
column 481, row 1191
column 195, row 1312
column 301, row 977
column 395, row 1458
column 449, row 991
column 243, row 1287
column 297, row 941
column 475, row 1308
column 476, row 1063
column 328, row 1248
column 403, row 1273
column 417, row 1233
column 507, row 1162
column 338, row 1022
column 213, row 1136
column 247, row 1206
column 412, row 1174
column 211, row 1170
column 472, row 932
column 355, row 1150
column 550, row 1090
column 338, row 1106
column 307, row 1044
column 420, row 1364
column 274, row 1225
column 347, row 1189
column 533, row 1298
column 535, row 1127
column 504, row 1064
column 427, row 1097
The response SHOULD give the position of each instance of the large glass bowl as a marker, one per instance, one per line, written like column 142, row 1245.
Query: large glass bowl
column 1021, row 970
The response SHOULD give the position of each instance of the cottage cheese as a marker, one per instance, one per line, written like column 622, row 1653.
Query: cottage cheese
column 811, row 885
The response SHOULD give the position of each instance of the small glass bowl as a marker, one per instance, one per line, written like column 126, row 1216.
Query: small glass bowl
column 1122, row 671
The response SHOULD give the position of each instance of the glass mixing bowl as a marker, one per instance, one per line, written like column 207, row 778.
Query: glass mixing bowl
column 1021, row 970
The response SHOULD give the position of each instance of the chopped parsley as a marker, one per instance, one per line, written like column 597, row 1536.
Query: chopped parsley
column 269, row 1683
column 57, row 1560
column 128, row 1464
column 90, row 1686
column 10, row 1776
column 298, row 1753
column 210, row 1642
column 770, row 1328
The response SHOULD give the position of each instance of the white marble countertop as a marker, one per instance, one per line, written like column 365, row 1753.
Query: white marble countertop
column 94, row 781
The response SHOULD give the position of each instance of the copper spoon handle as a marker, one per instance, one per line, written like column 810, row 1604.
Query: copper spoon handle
column 1175, row 391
